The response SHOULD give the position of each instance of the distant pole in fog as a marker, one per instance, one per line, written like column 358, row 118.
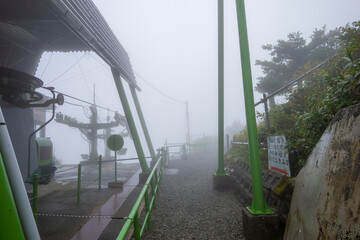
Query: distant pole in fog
column 227, row 142
column 220, row 171
column 188, row 140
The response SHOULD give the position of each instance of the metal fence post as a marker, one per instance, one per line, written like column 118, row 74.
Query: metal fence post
column 78, row 184
column 157, row 181
column 147, row 208
column 137, row 227
column 153, row 192
column 227, row 142
column 100, row 168
column 115, row 167
column 167, row 156
column 163, row 157
column 35, row 196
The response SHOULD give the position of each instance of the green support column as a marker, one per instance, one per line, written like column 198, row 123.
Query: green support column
column 220, row 171
column 143, row 125
column 258, row 205
column 10, row 225
column 130, row 121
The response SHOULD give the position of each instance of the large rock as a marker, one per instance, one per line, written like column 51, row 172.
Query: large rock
column 326, row 198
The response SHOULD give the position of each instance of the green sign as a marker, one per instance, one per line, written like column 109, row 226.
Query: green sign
column 115, row 142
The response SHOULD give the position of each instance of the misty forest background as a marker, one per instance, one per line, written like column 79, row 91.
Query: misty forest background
column 305, row 109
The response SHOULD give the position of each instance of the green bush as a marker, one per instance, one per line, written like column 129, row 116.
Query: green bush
column 314, row 102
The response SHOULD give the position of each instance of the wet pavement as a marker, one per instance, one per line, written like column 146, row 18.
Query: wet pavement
column 189, row 208
column 58, row 199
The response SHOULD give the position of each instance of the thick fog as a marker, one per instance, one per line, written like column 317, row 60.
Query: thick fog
column 172, row 45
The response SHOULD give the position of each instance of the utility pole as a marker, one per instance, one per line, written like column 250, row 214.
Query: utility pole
column 105, row 136
column 188, row 140
column 90, row 130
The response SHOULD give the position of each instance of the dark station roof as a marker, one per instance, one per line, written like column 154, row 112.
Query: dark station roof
column 30, row 27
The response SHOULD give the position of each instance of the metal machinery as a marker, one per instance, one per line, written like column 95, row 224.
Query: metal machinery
column 19, row 89
column 27, row 29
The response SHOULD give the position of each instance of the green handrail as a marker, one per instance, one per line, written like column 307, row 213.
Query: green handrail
column 133, row 217
column 100, row 167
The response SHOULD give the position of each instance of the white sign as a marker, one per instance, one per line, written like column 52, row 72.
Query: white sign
column 278, row 157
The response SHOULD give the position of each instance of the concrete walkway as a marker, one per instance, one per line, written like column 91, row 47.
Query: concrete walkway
column 189, row 208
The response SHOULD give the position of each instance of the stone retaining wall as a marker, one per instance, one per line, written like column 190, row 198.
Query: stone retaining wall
column 277, row 188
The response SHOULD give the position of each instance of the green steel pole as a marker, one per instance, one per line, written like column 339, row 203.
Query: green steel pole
column 130, row 121
column 220, row 171
column 100, row 167
column 35, row 196
column 143, row 125
column 10, row 225
column 78, row 185
column 258, row 205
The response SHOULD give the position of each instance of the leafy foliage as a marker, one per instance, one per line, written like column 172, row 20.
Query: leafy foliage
column 288, row 55
column 314, row 102
column 312, row 105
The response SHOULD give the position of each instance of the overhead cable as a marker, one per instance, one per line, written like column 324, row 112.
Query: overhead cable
column 157, row 90
column 80, row 100
column 67, row 70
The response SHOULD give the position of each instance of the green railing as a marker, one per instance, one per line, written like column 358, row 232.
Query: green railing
column 153, row 181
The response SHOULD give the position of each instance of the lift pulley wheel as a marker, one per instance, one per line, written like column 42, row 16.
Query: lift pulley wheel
column 18, row 87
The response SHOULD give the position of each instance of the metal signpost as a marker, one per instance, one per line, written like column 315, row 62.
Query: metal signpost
column 115, row 143
column 278, row 155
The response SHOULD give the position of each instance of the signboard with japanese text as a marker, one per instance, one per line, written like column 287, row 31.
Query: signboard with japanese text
column 278, row 155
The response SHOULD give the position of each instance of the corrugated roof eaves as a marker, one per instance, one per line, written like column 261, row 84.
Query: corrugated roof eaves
column 107, row 42
column 106, row 35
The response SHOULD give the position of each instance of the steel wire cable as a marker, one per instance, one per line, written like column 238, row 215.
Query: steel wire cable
column 67, row 70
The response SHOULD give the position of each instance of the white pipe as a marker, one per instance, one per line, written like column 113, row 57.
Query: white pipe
column 17, row 185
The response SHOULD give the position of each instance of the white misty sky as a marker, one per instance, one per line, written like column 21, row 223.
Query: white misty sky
column 172, row 44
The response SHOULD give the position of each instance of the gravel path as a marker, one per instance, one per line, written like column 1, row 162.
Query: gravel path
column 189, row 208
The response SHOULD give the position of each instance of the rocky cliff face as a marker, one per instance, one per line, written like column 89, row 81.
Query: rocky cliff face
column 326, row 199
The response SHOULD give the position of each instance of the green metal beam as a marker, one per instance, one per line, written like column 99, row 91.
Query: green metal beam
column 130, row 121
column 220, row 171
column 143, row 125
column 16, row 184
column 10, row 226
column 258, row 205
